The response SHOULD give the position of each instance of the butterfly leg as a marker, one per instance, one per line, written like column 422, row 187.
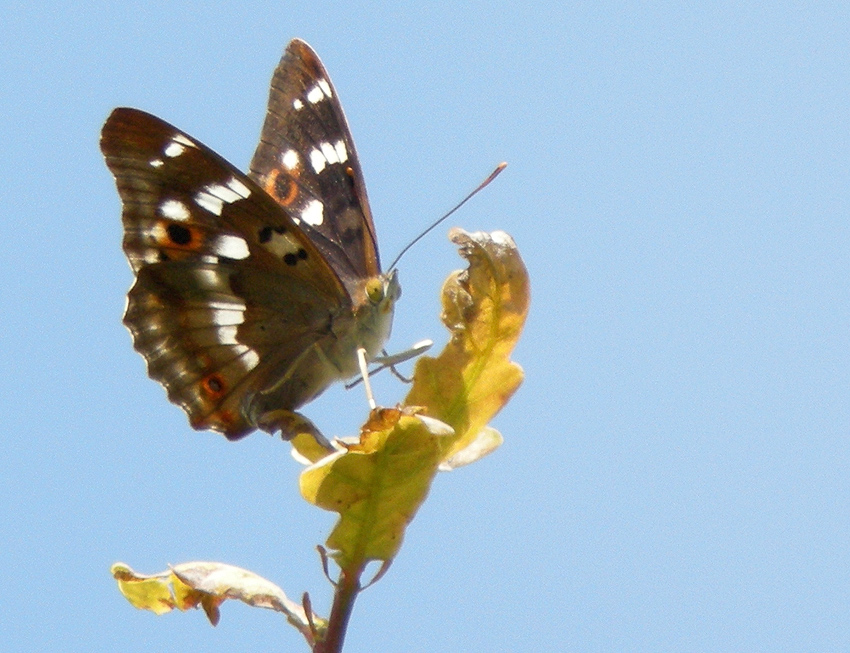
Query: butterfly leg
column 416, row 350
column 364, row 373
column 401, row 377
column 390, row 361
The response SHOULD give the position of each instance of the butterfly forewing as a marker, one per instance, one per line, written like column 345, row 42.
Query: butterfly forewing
column 209, row 248
column 253, row 292
column 306, row 160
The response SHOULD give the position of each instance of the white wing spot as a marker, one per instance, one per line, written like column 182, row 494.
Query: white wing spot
column 156, row 163
column 330, row 153
column 226, row 335
column 314, row 213
column 230, row 304
column 341, row 151
column 224, row 193
column 213, row 197
column 227, row 317
column 174, row 210
column 183, row 140
column 239, row 188
column 317, row 160
column 289, row 159
column 247, row 355
column 250, row 359
column 282, row 244
column 297, row 104
column 209, row 202
column 326, row 88
column 231, row 247
column 315, row 95
column 174, row 149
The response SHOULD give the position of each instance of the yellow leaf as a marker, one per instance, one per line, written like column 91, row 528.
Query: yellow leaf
column 159, row 593
column 377, row 485
column 485, row 308
column 206, row 585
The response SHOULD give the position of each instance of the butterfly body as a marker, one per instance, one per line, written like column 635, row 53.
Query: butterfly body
column 254, row 292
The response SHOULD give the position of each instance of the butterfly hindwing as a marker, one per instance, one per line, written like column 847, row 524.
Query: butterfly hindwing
column 306, row 160
column 209, row 247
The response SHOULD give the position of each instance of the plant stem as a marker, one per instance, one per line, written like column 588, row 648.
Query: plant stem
column 347, row 588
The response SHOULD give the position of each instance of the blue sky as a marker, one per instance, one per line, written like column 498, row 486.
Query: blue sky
column 675, row 469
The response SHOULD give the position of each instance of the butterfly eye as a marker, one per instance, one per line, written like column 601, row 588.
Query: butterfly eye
column 375, row 290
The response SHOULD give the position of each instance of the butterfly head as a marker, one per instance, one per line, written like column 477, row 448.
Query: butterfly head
column 374, row 314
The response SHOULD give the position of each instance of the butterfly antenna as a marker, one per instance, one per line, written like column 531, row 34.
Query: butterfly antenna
column 480, row 186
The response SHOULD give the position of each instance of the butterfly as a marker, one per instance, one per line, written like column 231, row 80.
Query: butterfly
column 252, row 293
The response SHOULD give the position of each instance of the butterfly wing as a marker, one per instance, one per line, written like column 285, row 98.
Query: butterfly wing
column 231, row 297
column 306, row 160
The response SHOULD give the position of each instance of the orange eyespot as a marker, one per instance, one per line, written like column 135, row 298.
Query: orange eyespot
column 174, row 235
column 282, row 187
column 214, row 386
